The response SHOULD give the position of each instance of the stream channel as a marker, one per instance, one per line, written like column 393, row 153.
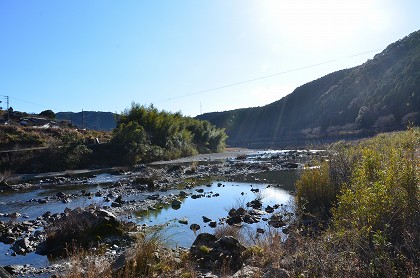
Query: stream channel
column 211, row 199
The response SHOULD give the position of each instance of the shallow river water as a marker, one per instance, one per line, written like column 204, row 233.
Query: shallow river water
column 219, row 198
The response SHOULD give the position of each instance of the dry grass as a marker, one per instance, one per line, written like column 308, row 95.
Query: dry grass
column 227, row 230
column 5, row 176
column 148, row 257
column 13, row 137
column 88, row 265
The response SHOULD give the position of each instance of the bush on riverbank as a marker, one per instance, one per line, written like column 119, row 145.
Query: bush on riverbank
column 146, row 134
column 372, row 207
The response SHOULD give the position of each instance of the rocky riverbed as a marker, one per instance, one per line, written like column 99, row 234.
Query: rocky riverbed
column 31, row 205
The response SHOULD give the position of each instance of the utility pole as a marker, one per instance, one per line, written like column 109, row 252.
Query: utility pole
column 7, row 103
column 83, row 119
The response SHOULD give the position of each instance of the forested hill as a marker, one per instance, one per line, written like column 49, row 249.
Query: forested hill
column 90, row 119
column 382, row 94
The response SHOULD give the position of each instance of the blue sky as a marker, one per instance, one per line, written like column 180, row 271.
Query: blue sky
column 102, row 55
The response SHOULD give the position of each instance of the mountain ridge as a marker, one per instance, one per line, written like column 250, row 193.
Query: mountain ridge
column 382, row 94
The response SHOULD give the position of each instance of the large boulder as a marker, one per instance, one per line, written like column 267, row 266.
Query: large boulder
column 79, row 227
column 215, row 253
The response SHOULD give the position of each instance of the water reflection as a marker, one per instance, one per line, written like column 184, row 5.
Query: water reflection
column 215, row 204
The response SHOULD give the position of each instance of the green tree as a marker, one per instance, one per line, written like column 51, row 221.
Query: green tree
column 47, row 114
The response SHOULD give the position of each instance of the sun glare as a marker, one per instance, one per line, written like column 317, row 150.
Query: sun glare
column 319, row 22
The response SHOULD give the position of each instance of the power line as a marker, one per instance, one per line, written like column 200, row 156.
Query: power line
column 29, row 102
column 266, row 76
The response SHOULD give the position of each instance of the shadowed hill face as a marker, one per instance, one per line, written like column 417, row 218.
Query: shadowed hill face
column 95, row 120
column 382, row 94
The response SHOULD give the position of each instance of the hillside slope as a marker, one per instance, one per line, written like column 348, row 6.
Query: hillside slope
column 382, row 94
column 95, row 120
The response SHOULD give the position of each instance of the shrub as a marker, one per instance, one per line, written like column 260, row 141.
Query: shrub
column 315, row 193
column 146, row 134
column 130, row 142
column 382, row 205
column 371, row 189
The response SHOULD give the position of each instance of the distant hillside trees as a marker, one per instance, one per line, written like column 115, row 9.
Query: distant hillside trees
column 96, row 120
column 146, row 134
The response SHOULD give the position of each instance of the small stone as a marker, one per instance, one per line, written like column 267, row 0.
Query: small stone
column 115, row 205
column 206, row 219
column 60, row 195
column 176, row 204
column 153, row 197
column 195, row 227
column 269, row 209
column 183, row 221
column 119, row 200
column 66, row 200
column 248, row 272
column 14, row 215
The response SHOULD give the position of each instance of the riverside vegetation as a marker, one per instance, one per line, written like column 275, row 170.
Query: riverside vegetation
column 143, row 134
column 357, row 213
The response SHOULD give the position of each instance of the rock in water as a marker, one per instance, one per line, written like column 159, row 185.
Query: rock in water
column 176, row 204
column 195, row 227
column 183, row 221
column 206, row 219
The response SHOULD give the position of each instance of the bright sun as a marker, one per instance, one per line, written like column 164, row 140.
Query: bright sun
column 318, row 22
